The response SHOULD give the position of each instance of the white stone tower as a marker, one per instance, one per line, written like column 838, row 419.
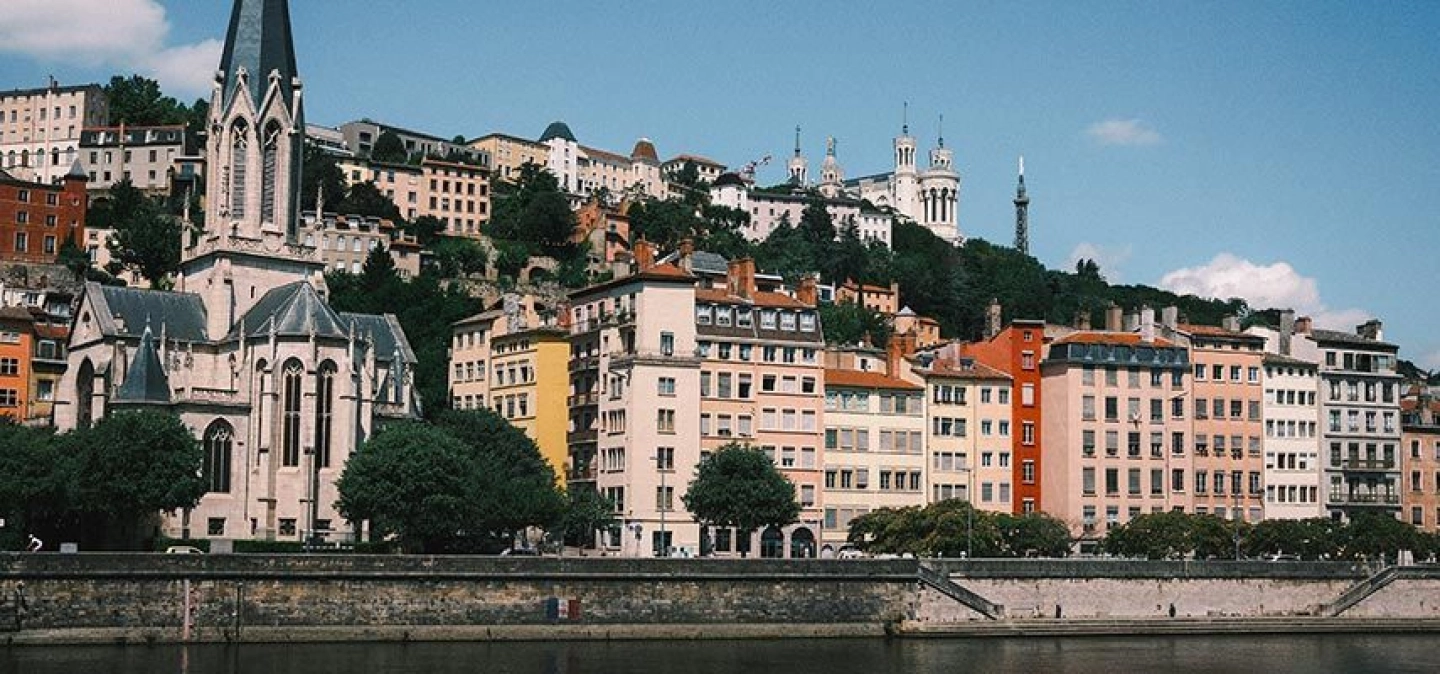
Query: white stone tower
column 830, row 173
column 906, row 186
column 940, row 192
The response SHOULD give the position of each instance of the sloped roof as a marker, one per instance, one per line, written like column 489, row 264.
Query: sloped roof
column 125, row 311
column 728, row 178
column 1113, row 338
column 258, row 40
column 145, row 380
column 386, row 331
column 1217, row 332
column 1278, row 359
column 1320, row 335
column 557, row 129
column 970, row 369
column 858, row 379
column 294, row 309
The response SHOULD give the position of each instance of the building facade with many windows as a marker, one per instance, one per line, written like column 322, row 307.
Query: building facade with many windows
column 36, row 218
column 40, row 129
column 1292, row 438
column 1226, row 399
column 1420, row 442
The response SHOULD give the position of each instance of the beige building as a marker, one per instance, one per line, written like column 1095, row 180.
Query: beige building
column 634, row 429
column 40, row 129
column 144, row 155
column 1107, row 458
column 875, row 454
column 345, row 242
column 969, row 432
column 508, row 153
column 512, row 359
column 1420, row 440
column 457, row 194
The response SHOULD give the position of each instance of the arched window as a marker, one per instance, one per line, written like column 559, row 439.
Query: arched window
column 290, row 413
column 219, row 440
column 84, row 389
column 25, row 158
column 324, row 411
column 239, row 161
column 267, row 172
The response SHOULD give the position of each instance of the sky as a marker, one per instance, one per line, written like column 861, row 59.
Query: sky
column 1287, row 153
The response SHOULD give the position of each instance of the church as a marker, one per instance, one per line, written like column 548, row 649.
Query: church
column 278, row 387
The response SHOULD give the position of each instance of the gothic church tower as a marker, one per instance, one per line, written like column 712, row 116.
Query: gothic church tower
column 251, row 241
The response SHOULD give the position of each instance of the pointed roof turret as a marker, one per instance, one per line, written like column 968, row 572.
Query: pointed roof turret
column 77, row 171
column 259, row 42
column 145, row 380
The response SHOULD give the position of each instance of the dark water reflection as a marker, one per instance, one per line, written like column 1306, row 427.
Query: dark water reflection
column 1105, row 655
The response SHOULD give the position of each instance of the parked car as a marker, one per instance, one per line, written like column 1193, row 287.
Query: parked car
column 1281, row 558
column 850, row 552
column 183, row 550
column 520, row 552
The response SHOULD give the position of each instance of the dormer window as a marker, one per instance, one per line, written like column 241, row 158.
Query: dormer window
column 787, row 321
column 742, row 317
column 702, row 315
column 722, row 317
column 767, row 319
column 807, row 322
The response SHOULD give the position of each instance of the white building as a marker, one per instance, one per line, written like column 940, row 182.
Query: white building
column 930, row 196
column 279, row 387
column 769, row 209
column 40, row 128
column 1292, row 439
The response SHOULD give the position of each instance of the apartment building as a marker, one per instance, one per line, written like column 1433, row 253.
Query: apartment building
column 509, row 153
column 1420, row 463
column 457, row 194
column 1017, row 350
column 706, row 169
column 969, row 431
column 40, row 128
column 1360, row 410
column 17, row 346
column 512, row 359
column 345, row 242
column 1292, row 438
column 36, row 218
column 761, row 382
column 144, row 155
column 1110, row 458
column 875, row 453
column 1227, row 397
column 634, row 422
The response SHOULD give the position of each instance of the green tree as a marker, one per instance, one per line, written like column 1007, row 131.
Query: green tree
column 586, row 512
column 414, row 481
column 787, row 252
column 35, row 479
column 816, row 223
column 1032, row 535
column 365, row 199
column 318, row 171
column 739, row 486
column 1164, row 535
column 389, row 148
column 663, row 222
column 851, row 323
column 426, row 229
column 454, row 256
column 517, row 484
column 138, row 101
column 73, row 257
column 379, row 268
column 511, row 258
column 146, row 240
column 548, row 220
column 128, row 467
column 1375, row 536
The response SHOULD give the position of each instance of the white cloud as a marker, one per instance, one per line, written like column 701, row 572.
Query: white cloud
column 1123, row 132
column 1110, row 258
column 122, row 34
column 1272, row 286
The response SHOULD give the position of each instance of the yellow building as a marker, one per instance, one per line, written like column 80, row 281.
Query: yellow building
column 513, row 359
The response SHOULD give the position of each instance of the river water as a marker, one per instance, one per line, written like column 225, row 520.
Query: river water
column 1070, row 655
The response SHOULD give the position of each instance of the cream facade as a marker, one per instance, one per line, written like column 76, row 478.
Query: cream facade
column 40, row 128
column 144, row 155
column 1226, row 398
column 1292, row 438
column 509, row 153
column 969, row 433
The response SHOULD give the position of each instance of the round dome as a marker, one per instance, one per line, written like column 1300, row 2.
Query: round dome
column 644, row 150
column 557, row 130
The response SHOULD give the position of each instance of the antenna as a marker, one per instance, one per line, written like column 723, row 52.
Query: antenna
column 1022, row 166
column 905, row 117
column 797, row 140
column 940, row 129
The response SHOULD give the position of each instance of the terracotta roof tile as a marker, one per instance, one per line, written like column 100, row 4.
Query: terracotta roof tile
column 858, row 379
column 972, row 370
column 1213, row 331
column 1115, row 338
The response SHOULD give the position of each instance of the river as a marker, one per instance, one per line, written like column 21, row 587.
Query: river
column 1070, row 655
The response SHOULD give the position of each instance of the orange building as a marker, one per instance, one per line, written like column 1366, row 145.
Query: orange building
column 1017, row 351
column 17, row 343
column 1420, row 459
column 36, row 218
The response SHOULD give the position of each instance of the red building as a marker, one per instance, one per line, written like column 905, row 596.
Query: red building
column 1017, row 350
column 36, row 218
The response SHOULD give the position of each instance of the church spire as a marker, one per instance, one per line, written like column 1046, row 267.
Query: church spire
column 905, row 118
column 940, row 130
column 258, row 43
column 1022, row 213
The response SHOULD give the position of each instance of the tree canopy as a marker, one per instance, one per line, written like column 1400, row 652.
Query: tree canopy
column 389, row 148
column 146, row 240
column 739, row 486
column 138, row 101
column 955, row 528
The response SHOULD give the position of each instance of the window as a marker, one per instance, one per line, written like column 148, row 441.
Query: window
column 324, row 411
column 1027, row 395
column 667, row 343
column 665, row 386
column 216, row 466
column 665, row 421
column 215, row 526
column 290, row 415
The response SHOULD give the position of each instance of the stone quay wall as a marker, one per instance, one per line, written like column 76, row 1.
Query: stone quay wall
column 75, row 598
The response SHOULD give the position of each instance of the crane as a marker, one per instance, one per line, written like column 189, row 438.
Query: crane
column 748, row 170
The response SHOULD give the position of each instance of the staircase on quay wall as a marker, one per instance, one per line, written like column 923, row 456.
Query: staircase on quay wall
column 941, row 583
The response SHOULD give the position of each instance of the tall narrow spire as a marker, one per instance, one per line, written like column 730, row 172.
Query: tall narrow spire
column 1022, row 213
column 259, row 43
column 797, row 140
column 905, row 117
column 940, row 130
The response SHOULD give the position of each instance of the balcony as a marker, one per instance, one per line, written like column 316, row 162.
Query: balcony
column 1365, row 498
column 622, row 359
column 584, row 363
column 583, row 474
column 579, row 437
column 582, row 399
column 1369, row 464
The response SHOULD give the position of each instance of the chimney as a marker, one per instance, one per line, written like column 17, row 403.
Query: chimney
column 899, row 346
column 806, row 292
column 1132, row 321
column 1287, row 330
column 1231, row 323
column 1371, row 330
column 644, row 255
column 992, row 319
column 620, row 267
column 1147, row 324
column 1113, row 318
column 741, row 277
column 1082, row 319
column 1170, row 317
column 687, row 251
column 1302, row 325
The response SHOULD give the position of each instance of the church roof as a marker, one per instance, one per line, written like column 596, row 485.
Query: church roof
column 121, row 311
column 386, row 332
column 294, row 309
column 259, row 41
column 557, row 130
column 145, row 380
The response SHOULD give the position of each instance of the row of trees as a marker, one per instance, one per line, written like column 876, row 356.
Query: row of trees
column 955, row 528
column 101, row 486
column 1176, row 535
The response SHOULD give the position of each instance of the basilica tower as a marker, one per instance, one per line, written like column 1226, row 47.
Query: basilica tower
column 799, row 168
column 906, row 186
column 830, row 173
column 251, row 241
column 940, row 192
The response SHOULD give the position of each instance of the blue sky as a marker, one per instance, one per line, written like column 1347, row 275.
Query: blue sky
column 1284, row 152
